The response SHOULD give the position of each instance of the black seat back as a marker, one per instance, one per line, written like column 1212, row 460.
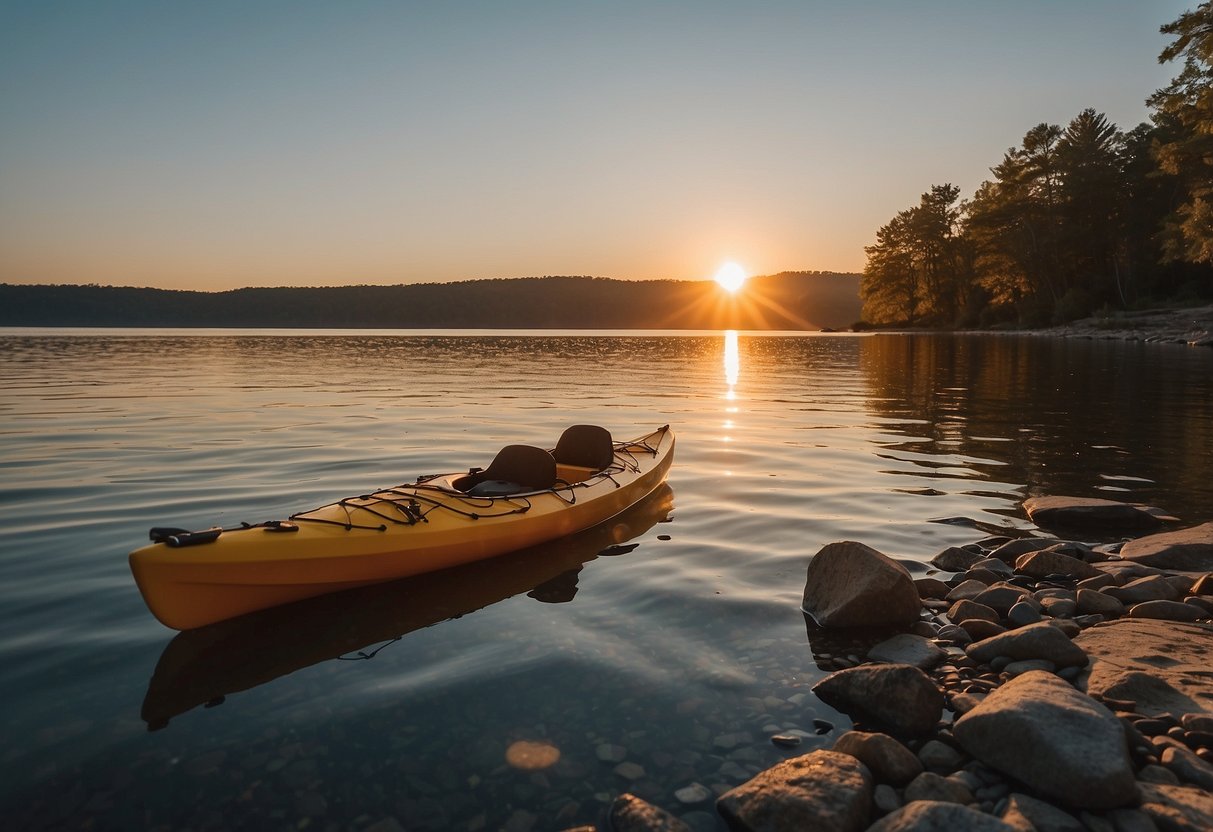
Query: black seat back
column 586, row 446
column 525, row 465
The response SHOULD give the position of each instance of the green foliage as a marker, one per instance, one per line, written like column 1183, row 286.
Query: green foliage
column 1074, row 219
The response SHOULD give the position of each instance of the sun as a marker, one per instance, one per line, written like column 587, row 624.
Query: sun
column 731, row 277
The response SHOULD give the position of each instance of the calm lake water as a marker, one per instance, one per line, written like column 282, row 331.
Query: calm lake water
column 443, row 701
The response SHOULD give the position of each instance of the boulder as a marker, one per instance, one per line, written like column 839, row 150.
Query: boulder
column 849, row 584
column 898, row 696
column 886, row 758
column 631, row 814
column 1088, row 512
column 1047, row 562
column 823, row 790
column 1035, row 641
column 1190, row 550
column 1178, row 808
column 906, row 648
column 1045, row 734
column 936, row 816
column 1162, row 666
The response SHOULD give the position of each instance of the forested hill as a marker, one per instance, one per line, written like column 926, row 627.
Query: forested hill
column 789, row 300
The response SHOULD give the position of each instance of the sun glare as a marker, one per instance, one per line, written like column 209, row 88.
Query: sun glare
column 731, row 277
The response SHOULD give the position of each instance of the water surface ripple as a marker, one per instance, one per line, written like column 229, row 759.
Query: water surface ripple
column 679, row 649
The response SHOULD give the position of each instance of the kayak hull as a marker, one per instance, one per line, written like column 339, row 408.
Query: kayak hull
column 390, row 534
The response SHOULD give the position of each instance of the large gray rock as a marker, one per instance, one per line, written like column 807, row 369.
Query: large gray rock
column 900, row 697
column 1178, row 808
column 907, row 648
column 849, row 584
column 631, row 814
column 934, row 816
column 1044, row 733
column 1162, row 666
column 1088, row 512
column 886, row 758
column 1190, row 549
column 823, row 790
column 1035, row 641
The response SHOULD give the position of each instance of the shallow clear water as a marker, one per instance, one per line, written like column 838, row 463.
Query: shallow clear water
column 684, row 647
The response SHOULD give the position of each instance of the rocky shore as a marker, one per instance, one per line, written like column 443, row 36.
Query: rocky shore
column 1036, row 684
column 1193, row 327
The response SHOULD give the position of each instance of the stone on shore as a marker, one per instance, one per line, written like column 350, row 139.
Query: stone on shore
column 848, row 584
column 1148, row 588
column 823, row 790
column 900, row 697
column 965, row 610
column 1167, row 611
column 1190, row 550
column 1039, row 816
column 887, row 759
column 631, row 814
column 1188, row 767
column 1178, row 808
column 1094, row 602
column 1039, row 730
column 1085, row 512
column 1162, row 666
column 1012, row 550
column 936, row 816
column 1035, row 641
column 954, row 559
column 1046, row 562
column 906, row 648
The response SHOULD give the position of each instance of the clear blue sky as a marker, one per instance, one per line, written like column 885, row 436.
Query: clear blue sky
column 220, row 144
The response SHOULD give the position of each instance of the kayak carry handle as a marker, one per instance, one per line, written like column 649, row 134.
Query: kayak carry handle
column 177, row 538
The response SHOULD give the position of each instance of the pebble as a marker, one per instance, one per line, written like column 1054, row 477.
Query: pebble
column 1023, row 614
column 611, row 753
column 694, row 793
column 630, row 770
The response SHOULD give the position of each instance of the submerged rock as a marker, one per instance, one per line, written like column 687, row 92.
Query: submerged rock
column 631, row 814
column 1087, row 512
column 898, row 696
column 823, row 790
column 906, row 648
column 848, row 584
column 1044, row 733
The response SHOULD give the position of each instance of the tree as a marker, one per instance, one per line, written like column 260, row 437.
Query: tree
column 1184, row 149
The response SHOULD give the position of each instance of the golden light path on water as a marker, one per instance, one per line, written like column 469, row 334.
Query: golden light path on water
column 732, row 371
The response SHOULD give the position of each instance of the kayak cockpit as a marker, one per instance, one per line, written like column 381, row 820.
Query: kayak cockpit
column 581, row 452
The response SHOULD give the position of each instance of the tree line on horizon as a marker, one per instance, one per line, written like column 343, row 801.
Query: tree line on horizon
column 1081, row 220
column 789, row 300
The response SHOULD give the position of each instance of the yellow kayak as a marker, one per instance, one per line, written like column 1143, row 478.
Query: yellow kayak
column 527, row 496
column 204, row 665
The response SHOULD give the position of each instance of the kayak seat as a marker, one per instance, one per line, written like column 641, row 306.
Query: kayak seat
column 516, row 469
column 585, row 446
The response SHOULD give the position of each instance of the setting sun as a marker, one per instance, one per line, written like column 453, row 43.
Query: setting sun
column 731, row 277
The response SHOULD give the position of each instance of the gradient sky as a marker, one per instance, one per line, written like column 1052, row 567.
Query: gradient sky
column 219, row 144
